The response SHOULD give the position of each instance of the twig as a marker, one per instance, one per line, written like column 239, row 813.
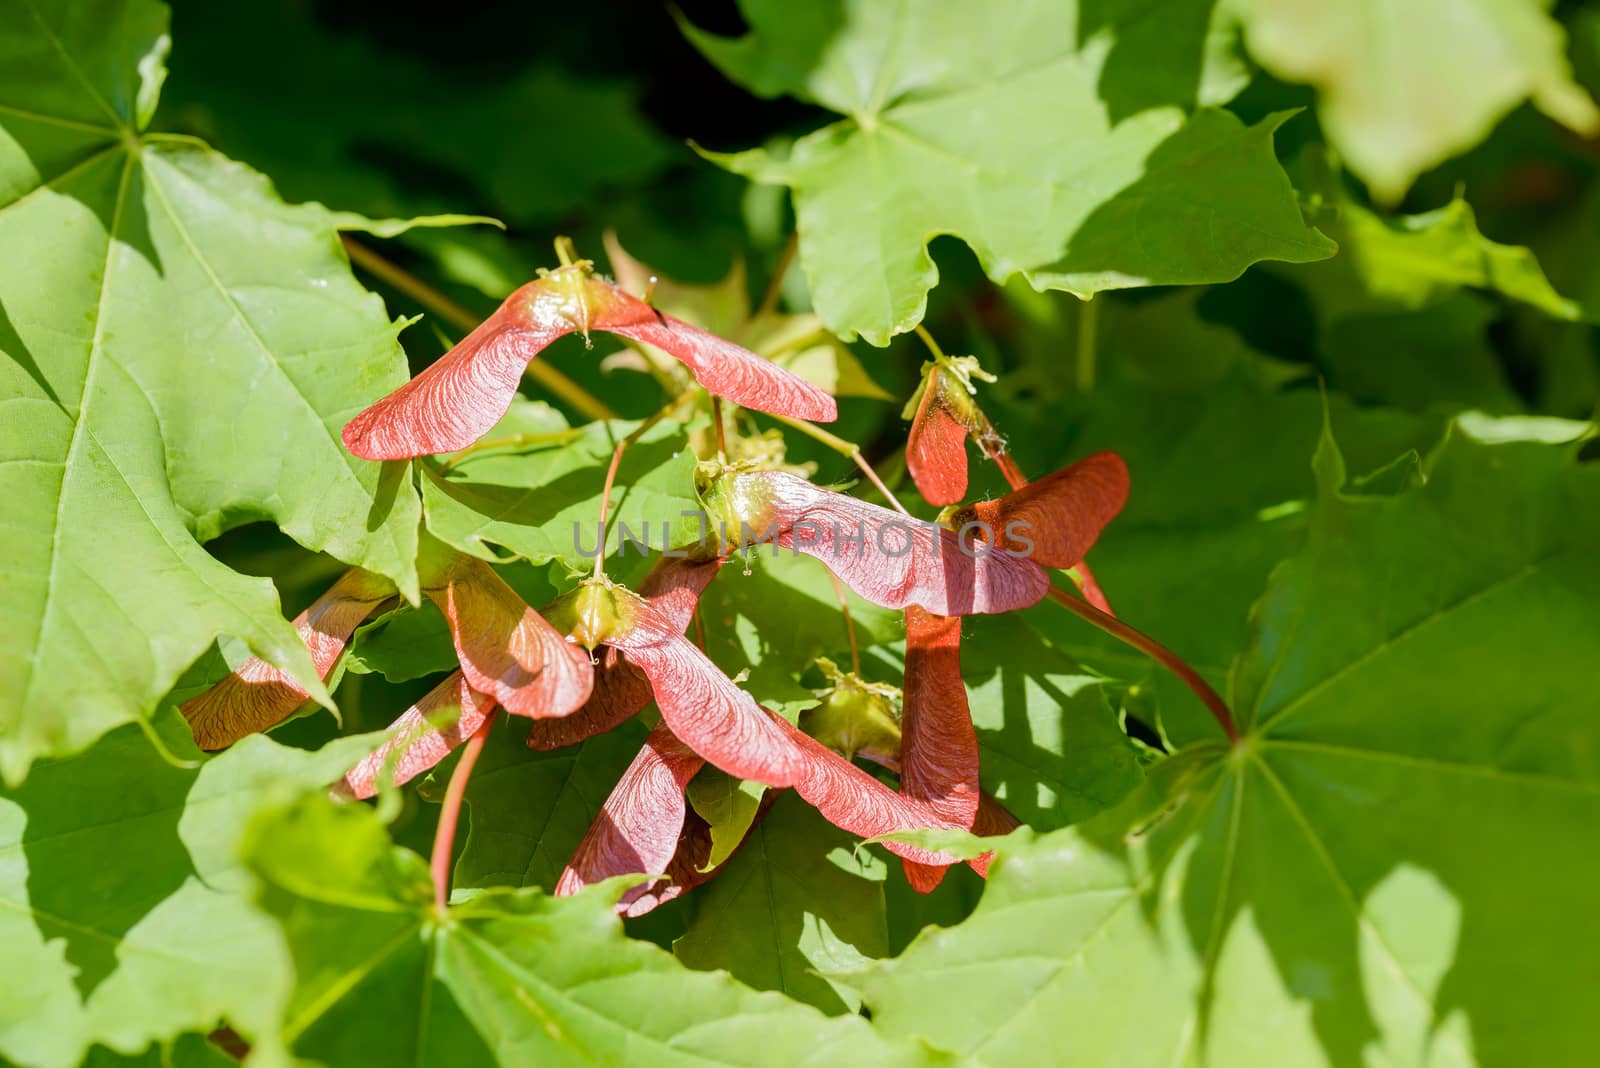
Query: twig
column 444, row 838
column 848, row 449
column 1156, row 651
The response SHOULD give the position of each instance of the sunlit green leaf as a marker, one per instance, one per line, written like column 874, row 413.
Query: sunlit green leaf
column 510, row 977
column 178, row 350
column 122, row 911
column 728, row 806
column 1112, row 185
column 542, row 500
column 1336, row 887
column 799, row 901
column 1397, row 263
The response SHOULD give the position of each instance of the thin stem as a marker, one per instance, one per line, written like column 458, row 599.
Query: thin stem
column 848, row 449
column 716, row 418
column 616, row 461
column 804, row 341
column 1088, row 313
column 444, row 838
column 1156, row 651
column 1008, row 467
column 992, row 445
column 459, row 317
column 849, row 624
column 514, row 441
column 769, row 299
column 872, row 476
column 933, row 346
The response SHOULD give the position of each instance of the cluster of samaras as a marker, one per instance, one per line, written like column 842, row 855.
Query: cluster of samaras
column 602, row 653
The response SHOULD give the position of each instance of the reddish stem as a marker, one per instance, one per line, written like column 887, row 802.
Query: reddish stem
column 1008, row 467
column 992, row 445
column 444, row 838
column 1155, row 651
column 872, row 476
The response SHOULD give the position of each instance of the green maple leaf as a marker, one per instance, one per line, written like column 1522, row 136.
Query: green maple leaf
column 122, row 909
column 1051, row 748
column 728, row 805
column 799, row 901
column 1403, row 310
column 1215, row 436
column 1394, row 865
column 178, row 349
column 542, row 500
column 508, row 977
column 1040, row 138
column 530, row 809
column 1392, row 263
column 1403, row 87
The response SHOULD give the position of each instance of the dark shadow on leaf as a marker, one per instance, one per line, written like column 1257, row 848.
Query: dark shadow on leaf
column 530, row 809
column 391, row 476
column 534, row 503
column 1210, row 197
column 1057, row 757
column 88, row 818
column 12, row 346
column 133, row 226
column 1158, row 55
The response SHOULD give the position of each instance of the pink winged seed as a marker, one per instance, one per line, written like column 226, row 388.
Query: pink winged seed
column 639, row 825
column 1060, row 515
column 938, row 745
column 257, row 695
column 424, row 735
column 451, row 404
column 899, row 561
column 621, row 691
column 856, row 802
column 506, row 649
column 936, row 449
column 705, row 708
